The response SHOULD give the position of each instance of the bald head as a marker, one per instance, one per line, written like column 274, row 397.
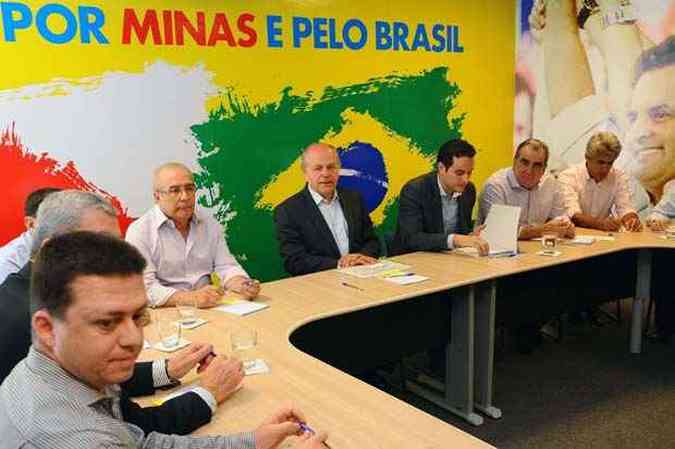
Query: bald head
column 321, row 165
column 318, row 149
column 167, row 170
column 174, row 192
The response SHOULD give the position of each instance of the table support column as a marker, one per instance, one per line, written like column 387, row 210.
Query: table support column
column 642, row 293
column 459, row 377
column 485, row 299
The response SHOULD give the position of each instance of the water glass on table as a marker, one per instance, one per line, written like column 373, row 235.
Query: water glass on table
column 244, row 341
column 187, row 309
column 549, row 241
column 168, row 329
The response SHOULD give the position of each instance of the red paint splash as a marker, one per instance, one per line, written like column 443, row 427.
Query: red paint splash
column 23, row 172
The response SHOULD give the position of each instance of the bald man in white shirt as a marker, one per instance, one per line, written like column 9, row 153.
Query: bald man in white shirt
column 183, row 245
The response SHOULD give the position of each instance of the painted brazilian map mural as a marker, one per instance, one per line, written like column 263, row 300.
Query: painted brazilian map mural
column 97, row 95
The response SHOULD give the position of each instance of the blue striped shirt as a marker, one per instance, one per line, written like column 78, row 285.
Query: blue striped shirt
column 43, row 406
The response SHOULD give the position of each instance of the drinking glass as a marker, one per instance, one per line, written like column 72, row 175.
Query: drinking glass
column 187, row 309
column 243, row 345
column 549, row 241
column 168, row 329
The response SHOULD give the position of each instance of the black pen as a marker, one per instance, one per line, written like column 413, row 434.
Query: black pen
column 351, row 286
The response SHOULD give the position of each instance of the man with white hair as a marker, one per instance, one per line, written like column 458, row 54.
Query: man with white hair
column 184, row 245
column 596, row 194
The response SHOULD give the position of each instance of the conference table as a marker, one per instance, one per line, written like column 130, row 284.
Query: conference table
column 355, row 414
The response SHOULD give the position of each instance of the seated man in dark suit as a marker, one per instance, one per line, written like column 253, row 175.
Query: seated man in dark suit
column 323, row 227
column 434, row 215
column 72, row 210
column 435, row 209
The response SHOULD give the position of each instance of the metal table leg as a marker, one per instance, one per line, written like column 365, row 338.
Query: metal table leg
column 642, row 293
column 459, row 377
column 485, row 299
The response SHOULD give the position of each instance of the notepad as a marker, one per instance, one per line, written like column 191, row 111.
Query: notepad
column 241, row 307
column 581, row 240
column 406, row 280
column 549, row 253
column 604, row 238
column 380, row 268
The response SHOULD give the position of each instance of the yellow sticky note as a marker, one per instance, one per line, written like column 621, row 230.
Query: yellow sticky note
column 395, row 272
column 215, row 280
column 229, row 300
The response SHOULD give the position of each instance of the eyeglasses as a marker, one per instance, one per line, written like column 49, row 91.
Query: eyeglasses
column 175, row 191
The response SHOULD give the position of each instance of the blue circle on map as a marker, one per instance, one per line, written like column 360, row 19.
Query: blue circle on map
column 363, row 170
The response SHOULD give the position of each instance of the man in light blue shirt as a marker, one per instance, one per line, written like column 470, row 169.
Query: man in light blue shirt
column 15, row 254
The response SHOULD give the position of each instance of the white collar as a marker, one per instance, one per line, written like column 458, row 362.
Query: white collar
column 318, row 198
column 160, row 217
column 454, row 196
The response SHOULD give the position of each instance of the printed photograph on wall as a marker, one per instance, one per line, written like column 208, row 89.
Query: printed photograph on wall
column 601, row 65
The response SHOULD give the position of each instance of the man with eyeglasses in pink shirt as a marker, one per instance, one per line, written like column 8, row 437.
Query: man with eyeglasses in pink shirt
column 183, row 245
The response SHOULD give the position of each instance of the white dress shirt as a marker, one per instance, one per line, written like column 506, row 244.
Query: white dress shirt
column 537, row 206
column 15, row 254
column 582, row 195
column 335, row 219
column 665, row 209
column 450, row 209
column 175, row 263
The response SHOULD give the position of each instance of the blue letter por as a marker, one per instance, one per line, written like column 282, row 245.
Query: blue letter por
column 15, row 16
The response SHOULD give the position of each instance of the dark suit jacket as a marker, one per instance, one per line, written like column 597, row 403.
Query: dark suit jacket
column 305, row 241
column 420, row 215
column 180, row 415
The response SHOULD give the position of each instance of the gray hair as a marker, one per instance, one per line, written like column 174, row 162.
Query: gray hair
column 603, row 144
column 61, row 212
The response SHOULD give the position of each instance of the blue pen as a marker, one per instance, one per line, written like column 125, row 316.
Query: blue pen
column 305, row 428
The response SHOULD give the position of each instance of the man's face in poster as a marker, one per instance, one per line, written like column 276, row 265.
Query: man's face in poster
column 651, row 135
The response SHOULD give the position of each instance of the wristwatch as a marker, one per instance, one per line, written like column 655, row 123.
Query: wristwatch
column 588, row 8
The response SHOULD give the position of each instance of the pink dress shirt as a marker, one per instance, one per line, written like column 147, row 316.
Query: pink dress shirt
column 178, row 264
column 597, row 199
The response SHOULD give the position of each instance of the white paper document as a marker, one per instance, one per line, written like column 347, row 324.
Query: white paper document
column 406, row 280
column 241, row 307
column 501, row 232
column 581, row 240
column 381, row 268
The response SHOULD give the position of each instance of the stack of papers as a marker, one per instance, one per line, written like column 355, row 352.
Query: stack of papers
column 381, row 268
column 501, row 232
